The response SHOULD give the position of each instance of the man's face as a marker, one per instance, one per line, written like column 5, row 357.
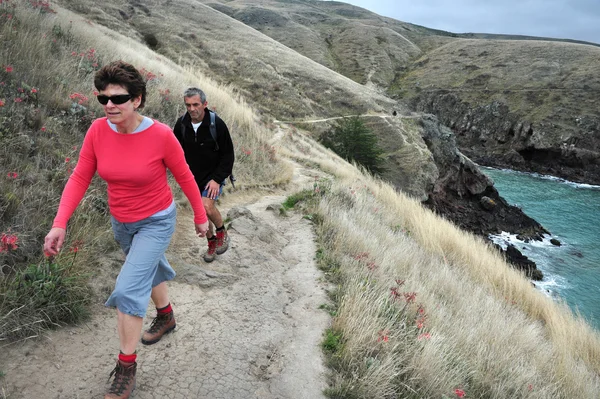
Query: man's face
column 195, row 107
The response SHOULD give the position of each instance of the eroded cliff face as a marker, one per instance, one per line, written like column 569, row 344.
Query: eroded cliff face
column 467, row 197
column 491, row 135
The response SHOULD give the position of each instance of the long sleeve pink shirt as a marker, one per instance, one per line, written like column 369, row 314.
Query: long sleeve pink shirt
column 135, row 169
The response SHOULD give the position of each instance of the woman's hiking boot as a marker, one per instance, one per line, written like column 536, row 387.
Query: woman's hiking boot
column 209, row 256
column 222, row 241
column 161, row 325
column 124, row 382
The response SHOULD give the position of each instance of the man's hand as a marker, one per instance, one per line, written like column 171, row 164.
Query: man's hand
column 54, row 241
column 213, row 189
column 201, row 229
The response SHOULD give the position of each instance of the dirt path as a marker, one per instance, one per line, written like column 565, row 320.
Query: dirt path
column 248, row 324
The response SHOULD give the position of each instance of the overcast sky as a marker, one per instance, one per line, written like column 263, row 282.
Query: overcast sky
column 564, row 19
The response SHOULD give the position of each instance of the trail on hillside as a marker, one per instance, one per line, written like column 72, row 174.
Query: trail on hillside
column 248, row 324
column 383, row 116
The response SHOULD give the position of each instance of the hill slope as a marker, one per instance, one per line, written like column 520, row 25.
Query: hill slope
column 494, row 91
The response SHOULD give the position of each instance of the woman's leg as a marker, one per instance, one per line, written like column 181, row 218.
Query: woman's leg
column 160, row 295
column 130, row 329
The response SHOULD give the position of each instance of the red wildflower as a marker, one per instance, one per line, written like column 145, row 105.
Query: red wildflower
column 361, row 256
column 12, row 175
column 34, row 90
column 8, row 242
column 18, row 100
column 43, row 128
column 76, row 245
column 67, row 160
column 410, row 296
column 2, row 103
column 424, row 336
column 383, row 336
column 8, row 69
column 459, row 393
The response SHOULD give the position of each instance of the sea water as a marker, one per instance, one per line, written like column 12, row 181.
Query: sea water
column 571, row 213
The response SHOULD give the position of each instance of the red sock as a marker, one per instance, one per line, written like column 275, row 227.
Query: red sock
column 165, row 310
column 127, row 358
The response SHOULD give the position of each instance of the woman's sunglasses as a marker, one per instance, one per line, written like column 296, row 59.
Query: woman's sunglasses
column 118, row 99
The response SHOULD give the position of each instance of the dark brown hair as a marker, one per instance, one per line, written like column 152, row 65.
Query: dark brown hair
column 123, row 74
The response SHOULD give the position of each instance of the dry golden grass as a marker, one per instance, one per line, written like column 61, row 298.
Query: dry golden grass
column 483, row 327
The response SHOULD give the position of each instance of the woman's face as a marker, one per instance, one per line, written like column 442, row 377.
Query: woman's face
column 120, row 113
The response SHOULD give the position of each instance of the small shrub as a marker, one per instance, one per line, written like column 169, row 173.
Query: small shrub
column 41, row 296
column 151, row 40
column 294, row 199
column 332, row 343
column 353, row 141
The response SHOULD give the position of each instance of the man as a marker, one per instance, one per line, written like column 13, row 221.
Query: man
column 210, row 160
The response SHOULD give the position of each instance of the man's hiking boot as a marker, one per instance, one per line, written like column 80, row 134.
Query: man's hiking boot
column 124, row 381
column 222, row 241
column 210, row 254
column 161, row 325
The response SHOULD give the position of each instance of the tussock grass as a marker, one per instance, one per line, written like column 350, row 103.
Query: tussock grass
column 47, row 94
column 424, row 308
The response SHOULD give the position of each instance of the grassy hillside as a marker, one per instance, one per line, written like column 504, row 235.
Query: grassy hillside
column 420, row 308
column 488, row 88
column 430, row 311
column 270, row 75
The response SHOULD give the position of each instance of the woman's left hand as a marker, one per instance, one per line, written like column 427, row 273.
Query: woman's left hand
column 201, row 229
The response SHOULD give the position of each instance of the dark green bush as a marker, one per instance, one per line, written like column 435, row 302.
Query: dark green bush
column 353, row 141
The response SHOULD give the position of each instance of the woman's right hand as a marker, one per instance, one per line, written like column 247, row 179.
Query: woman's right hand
column 201, row 229
column 54, row 241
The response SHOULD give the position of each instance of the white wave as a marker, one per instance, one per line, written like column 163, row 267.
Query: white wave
column 547, row 177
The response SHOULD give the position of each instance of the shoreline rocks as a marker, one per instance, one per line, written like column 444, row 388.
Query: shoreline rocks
column 468, row 198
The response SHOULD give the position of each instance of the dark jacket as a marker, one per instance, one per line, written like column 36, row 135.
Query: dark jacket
column 206, row 163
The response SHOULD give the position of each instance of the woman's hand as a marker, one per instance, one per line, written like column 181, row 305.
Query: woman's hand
column 54, row 241
column 201, row 229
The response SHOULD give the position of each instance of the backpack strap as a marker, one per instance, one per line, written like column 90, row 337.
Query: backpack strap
column 213, row 133
column 213, row 129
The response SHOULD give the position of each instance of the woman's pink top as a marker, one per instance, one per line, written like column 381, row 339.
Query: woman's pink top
column 135, row 168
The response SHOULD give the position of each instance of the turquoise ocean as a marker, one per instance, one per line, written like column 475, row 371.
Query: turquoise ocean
column 571, row 213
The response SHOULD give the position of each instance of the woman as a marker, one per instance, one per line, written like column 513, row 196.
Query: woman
column 131, row 153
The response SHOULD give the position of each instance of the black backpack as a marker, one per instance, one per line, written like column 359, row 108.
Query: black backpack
column 213, row 133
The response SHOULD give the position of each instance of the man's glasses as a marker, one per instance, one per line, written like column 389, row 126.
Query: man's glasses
column 118, row 99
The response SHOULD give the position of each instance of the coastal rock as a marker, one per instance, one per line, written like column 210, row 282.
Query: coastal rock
column 522, row 262
column 555, row 242
column 461, row 190
column 487, row 203
column 493, row 135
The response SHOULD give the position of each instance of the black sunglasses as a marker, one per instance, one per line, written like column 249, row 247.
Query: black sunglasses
column 118, row 99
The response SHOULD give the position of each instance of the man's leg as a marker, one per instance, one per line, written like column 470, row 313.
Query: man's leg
column 215, row 217
column 214, row 238
column 213, row 214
